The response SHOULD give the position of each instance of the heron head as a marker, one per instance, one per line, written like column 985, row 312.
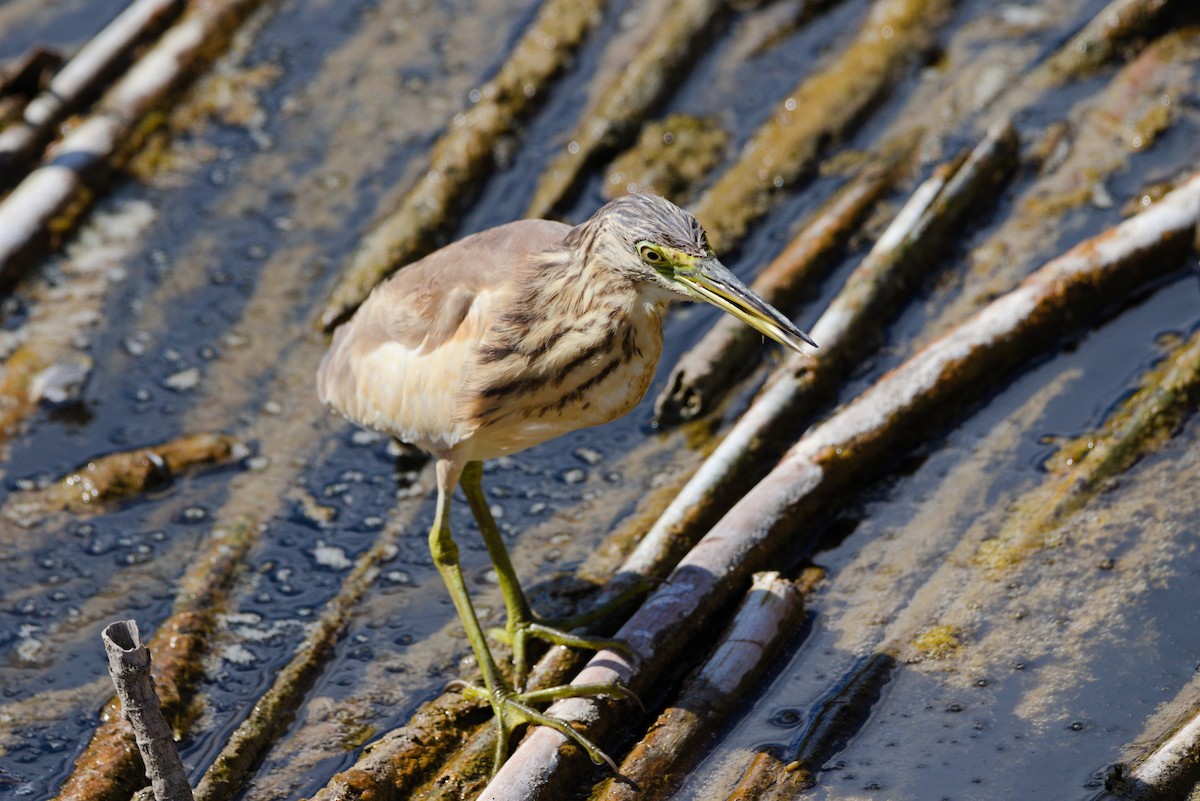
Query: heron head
column 654, row 241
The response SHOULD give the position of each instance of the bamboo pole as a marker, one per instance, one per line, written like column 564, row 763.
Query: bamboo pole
column 394, row 766
column 86, row 156
column 129, row 666
column 80, row 77
column 1171, row 770
column 843, row 331
column 866, row 434
column 769, row 614
column 770, row 778
column 463, row 156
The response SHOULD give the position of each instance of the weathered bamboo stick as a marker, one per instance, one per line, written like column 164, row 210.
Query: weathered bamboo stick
column 868, row 433
column 730, row 349
column 274, row 709
column 770, row 614
column 769, row 777
column 120, row 475
column 27, row 73
column 672, row 46
column 822, row 107
column 129, row 666
column 463, row 156
column 86, row 156
column 844, row 334
column 109, row 769
column 1170, row 770
column 81, row 76
column 1098, row 41
column 394, row 767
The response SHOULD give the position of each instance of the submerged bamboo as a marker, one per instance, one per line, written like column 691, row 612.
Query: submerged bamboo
column 822, row 107
column 672, row 44
column 865, row 435
column 464, row 154
column 1118, row 23
column 109, row 768
column 274, row 709
column 120, row 475
column 1081, row 468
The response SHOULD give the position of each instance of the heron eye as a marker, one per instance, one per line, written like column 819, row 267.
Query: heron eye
column 650, row 255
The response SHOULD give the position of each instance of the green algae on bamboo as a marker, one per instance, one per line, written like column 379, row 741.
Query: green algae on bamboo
column 392, row 767
column 704, row 374
column 1120, row 22
column 822, row 107
column 464, row 155
column 671, row 156
column 770, row 776
column 670, row 46
column 870, row 294
column 467, row 770
column 862, row 437
column 1081, row 468
column 109, row 769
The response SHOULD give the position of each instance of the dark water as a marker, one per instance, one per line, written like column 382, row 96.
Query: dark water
column 244, row 225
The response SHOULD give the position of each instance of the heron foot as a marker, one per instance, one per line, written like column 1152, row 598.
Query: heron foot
column 512, row 709
column 518, row 633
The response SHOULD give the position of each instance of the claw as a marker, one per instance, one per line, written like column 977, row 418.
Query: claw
column 513, row 709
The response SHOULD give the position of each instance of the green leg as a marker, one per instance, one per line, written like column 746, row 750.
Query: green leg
column 510, row 708
column 521, row 623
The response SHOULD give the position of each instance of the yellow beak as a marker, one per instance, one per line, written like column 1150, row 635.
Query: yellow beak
column 712, row 282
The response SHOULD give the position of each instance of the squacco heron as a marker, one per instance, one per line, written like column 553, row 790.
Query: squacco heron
column 511, row 337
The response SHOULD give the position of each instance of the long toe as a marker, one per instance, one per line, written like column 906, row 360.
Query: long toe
column 514, row 709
